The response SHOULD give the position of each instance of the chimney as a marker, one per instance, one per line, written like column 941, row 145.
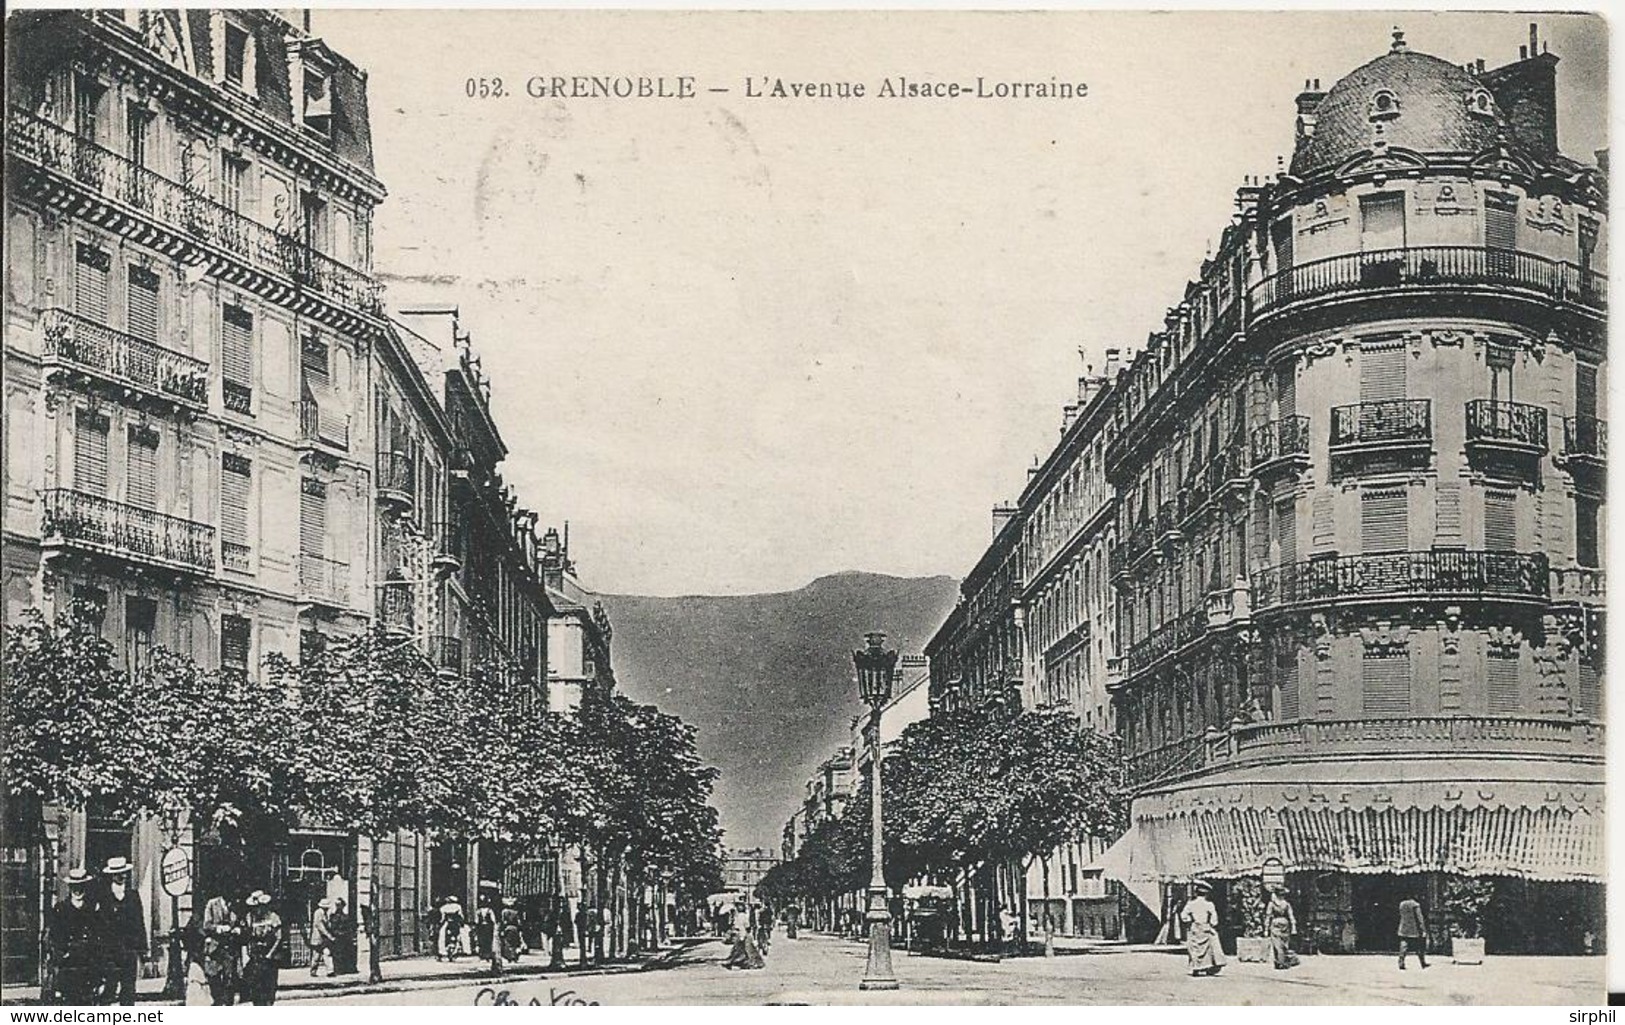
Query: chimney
column 1112, row 356
column 552, row 560
column 1308, row 104
column 1526, row 92
column 1534, row 38
column 1004, row 512
column 1069, row 416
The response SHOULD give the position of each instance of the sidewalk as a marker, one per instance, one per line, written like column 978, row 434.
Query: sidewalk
column 408, row 973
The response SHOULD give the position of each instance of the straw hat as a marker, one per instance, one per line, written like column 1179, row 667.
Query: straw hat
column 258, row 898
column 1201, row 886
column 77, row 877
column 116, row 866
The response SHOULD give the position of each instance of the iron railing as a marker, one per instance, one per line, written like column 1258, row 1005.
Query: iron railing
column 1514, row 423
column 395, row 474
column 1585, row 437
column 1394, row 422
column 136, row 363
column 107, row 174
column 396, row 610
column 321, row 426
column 237, row 557
column 446, row 653
column 142, row 535
column 1280, row 439
column 1436, row 572
column 1430, row 267
column 323, row 580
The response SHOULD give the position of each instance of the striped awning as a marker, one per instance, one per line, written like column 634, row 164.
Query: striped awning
column 1547, row 835
column 530, row 877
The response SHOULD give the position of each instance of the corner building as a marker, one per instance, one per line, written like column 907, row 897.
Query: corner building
column 1359, row 481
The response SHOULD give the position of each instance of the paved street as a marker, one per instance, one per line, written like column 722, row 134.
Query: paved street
column 822, row 969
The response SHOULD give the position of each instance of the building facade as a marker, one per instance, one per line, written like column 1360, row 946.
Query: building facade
column 1359, row 578
column 743, row 868
column 189, row 313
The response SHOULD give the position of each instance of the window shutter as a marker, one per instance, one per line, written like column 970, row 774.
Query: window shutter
column 90, row 453
column 143, row 304
column 235, row 478
column 1501, row 677
column 313, row 359
column 1286, row 529
column 1386, row 685
column 141, row 469
column 1585, row 390
column 1500, row 521
column 1384, row 521
column 1286, row 390
column 1382, row 373
column 1281, row 231
column 237, row 346
column 90, row 283
column 1589, row 697
column 1586, row 548
column 234, row 632
column 1500, row 220
column 312, row 517
column 1287, row 666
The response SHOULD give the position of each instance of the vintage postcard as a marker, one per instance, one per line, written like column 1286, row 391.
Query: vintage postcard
column 557, row 507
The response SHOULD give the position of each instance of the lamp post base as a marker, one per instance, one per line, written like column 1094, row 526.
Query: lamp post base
column 878, row 973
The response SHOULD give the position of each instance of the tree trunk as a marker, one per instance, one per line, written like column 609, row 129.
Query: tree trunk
column 1049, row 915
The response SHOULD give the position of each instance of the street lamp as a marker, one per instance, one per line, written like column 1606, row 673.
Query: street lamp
column 171, row 808
column 875, row 665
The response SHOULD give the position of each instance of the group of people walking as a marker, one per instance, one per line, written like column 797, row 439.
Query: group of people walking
column 237, row 951
column 750, row 933
column 97, row 938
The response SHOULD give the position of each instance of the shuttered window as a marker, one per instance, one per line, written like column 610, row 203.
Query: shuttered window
column 90, row 453
column 90, row 283
column 142, row 304
column 1382, row 221
column 1585, row 389
column 1385, row 685
column 1384, row 521
column 1500, row 521
column 1286, row 661
column 1501, row 680
column 235, row 478
column 234, row 645
column 1587, row 511
column 1589, row 698
column 1286, row 390
column 313, row 360
column 1286, row 529
column 237, row 346
column 141, row 468
column 312, row 517
column 1382, row 373
column 1500, row 220
column 1281, row 234
column 232, row 173
column 140, row 624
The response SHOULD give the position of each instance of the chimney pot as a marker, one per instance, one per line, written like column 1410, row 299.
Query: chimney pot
column 1534, row 35
column 1523, row 53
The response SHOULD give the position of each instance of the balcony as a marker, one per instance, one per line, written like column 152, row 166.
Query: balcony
column 1463, row 736
column 1585, row 442
column 1429, row 270
column 56, row 159
column 323, row 582
column 1392, row 435
column 396, row 609
column 1440, row 573
column 1169, row 517
column 446, row 653
column 1167, row 639
column 1505, row 429
column 236, row 557
column 1228, row 472
column 395, row 480
column 1578, row 585
column 1281, row 446
column 1230, row 606
column 90, row 523
column 321, row 428
column 133, row 366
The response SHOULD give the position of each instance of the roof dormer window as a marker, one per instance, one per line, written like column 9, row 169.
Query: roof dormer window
column 318, row 101
column 1384, row 105
column 235, row 66
column 1481, row 103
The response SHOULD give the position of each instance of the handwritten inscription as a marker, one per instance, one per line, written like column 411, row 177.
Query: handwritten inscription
column 488, row 997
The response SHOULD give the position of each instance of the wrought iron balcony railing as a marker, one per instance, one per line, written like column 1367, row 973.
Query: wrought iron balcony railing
column 395, row 477
column 1513, row 424
column 237, row 557
column 320, row 426
column 1397, row 422
column 1286, row 438
column 1585, row 437
column 1439, row 572
column 1228, row 467
column 324, row 581
column 149, row 368
column 81, row 520
column 106, row 174
column 1167, row 639
column 1426, row 268
column 446, row 653
column 396, row 610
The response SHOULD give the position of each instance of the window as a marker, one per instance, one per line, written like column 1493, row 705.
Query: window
column 107, row 834
column 1588, row 698
column 90, row 453
column 1385, row 684
column 237, row 63
column 237, row 358
column 1384, row 521
column 1587, row 514
column 91, row 602
column 234, row 644
column 233, row 174
column 1499, row 358
column 1383, row 373
column 141, row 468
column 137, row 122
column 1500, row 521
column 140, row 623
column 313, row 214
column 1500, row 220
column 1585, row 390
column 90, row 270
column 141, row 307
column 87, row 107
column 1382, row 221
column 1501, row 681
column 313, row 361
column 318, row 101
column 1281, row 235
column 235, row 479
column 312, row 517
column 1286, row 662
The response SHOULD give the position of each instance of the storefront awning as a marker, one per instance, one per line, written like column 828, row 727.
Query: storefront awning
column 1129, row 862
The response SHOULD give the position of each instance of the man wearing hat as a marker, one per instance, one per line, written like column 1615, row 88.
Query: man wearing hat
column 512, row 936
column 123, row 926
column 321, row 938
column 1201, row 920
column 72, row 939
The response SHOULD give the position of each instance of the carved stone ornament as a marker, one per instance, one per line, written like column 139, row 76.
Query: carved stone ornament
column 1450, row 634
column 1318, row 350
column 1320, row 632
column 1449, row 338
column 1386, row 640
column 1503, row 641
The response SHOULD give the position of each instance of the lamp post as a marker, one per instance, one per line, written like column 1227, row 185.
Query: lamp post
column 875, row 665
column 171, row 808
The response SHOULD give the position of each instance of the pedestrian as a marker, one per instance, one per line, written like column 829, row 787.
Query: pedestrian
column 1283, row 925
column 559, row 931
column 263, row 937
column 449, row 941
column 123, row 927
column 511, row 935
column 792, row 919
column 222, row 951
column 342, row 925
column 1413, row 931
column 321, row 938
column 72, row 939
column 586, row 918
column 485, row 922
column 744, row 952
column 764, row 928
column 372, row 927
column 1201, row 920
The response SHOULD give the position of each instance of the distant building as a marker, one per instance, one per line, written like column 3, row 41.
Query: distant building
column 743, row 868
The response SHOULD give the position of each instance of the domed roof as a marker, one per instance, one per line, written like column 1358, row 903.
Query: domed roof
column 1409, row 100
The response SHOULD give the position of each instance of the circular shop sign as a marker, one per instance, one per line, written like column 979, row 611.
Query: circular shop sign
column 1274, row 873
column 176, row 870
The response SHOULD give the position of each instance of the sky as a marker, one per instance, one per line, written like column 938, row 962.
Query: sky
column 741, row 342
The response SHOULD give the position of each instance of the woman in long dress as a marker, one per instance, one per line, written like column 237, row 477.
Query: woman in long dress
column 1283, row 924
column 746, row 952
column 1201, row 920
